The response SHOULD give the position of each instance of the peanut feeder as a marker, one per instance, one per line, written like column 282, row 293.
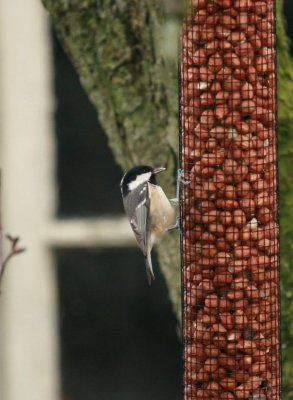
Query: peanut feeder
column 229, row 211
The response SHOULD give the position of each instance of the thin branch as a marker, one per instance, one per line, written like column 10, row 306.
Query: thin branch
column 14, row 250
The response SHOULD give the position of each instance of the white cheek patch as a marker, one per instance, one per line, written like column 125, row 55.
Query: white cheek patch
column 140, row 179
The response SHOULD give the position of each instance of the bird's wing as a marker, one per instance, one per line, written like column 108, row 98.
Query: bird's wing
column 139, row 220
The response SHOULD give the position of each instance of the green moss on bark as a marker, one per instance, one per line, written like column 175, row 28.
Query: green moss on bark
column 285, row 90
column 115, row 47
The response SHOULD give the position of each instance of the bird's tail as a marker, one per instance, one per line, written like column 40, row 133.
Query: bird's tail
column 149, row 268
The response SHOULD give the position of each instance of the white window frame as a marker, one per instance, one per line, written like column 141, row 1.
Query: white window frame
column 29, row 335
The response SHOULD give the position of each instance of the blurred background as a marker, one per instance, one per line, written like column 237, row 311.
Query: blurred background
column 77, row 319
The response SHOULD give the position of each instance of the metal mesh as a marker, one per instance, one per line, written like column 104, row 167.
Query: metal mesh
column 229, row 210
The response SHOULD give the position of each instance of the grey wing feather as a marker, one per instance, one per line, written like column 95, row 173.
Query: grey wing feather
column 139, row 220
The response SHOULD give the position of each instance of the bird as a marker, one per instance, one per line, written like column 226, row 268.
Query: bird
column 149, row 211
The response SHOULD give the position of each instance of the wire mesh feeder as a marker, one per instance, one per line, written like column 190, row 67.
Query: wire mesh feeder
column 230, row 237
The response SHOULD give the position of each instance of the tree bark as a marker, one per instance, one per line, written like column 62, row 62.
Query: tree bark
column 119, row 50
column 285, row 160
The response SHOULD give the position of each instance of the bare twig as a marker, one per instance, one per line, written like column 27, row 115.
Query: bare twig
column 14, row 250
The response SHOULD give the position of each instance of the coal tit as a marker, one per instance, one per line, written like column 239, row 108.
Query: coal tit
column 148, row 209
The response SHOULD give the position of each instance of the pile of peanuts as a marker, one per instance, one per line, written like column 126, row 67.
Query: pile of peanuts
column 230, row 205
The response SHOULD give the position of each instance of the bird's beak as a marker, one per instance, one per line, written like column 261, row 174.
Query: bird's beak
column 158, row 170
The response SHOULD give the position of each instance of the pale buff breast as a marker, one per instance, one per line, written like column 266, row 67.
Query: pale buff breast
column 162, row 213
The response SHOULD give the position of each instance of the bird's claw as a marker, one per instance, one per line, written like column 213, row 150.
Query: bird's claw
column 174, row 202
column 179, row 182
column 177, row 225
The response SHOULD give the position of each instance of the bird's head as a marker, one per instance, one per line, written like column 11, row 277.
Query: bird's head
column 137, row 176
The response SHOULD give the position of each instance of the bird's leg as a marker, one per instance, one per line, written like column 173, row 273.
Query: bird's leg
column 175, row 226
column 175, row 201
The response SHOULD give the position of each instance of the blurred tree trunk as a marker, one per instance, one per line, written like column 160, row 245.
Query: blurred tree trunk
column 125, row 54
column 117, row 50
column 285, row 120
